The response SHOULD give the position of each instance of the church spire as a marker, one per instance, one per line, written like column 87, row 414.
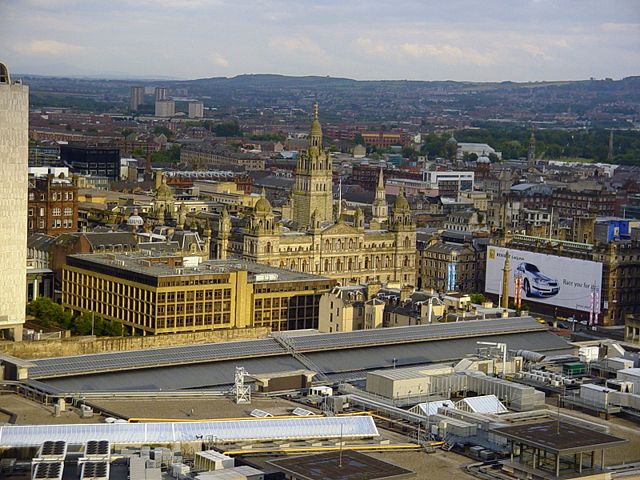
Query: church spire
column 379, row 208
column 531, row 153
column 380, row 186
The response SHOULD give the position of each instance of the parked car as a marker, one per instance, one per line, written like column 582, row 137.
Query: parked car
column 535, row 283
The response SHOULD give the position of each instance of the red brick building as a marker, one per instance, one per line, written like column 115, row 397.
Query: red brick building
column 52, row 205
column 384, row 139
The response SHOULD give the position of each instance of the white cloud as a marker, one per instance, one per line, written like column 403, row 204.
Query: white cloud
column 300, row 46
column 218, row 60
column 48, row 47
column 448, row 54
column 621, row 27
column 369, row 46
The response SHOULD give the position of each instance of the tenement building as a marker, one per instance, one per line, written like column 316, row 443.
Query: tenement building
column 14, row 154
column 53, row 205
column 315, row 240
column 451, row 261
column 170, row 294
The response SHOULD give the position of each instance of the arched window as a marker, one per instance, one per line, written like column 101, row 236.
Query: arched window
column 350, row 264
column 405, row 262
column 327, row 265
column 366, row 262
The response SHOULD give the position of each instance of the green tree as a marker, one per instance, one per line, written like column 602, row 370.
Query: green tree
column 49, row 313
column 358, row 139
column 161, row 130
column 478, row 298
column 228, row 129
column 170, row 155
column 449, row 151
column 409, row 152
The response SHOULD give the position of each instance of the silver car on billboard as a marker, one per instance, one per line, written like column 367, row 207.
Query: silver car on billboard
column 535, row 283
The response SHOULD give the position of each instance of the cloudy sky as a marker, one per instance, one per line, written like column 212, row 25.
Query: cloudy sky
column 481, row 40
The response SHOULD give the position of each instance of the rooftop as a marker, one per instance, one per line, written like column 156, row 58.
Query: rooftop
column 329, row 466
column 252, row 430
column 190, row 366
column 149, row 266
column 564, row 439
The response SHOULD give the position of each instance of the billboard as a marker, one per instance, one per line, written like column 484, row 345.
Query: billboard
column 549, row 279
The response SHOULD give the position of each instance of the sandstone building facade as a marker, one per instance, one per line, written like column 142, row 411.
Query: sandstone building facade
column 314, row 240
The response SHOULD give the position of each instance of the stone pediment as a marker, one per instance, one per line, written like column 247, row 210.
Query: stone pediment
column 340, row 229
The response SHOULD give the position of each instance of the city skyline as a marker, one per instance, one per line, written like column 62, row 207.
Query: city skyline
column 459, row 40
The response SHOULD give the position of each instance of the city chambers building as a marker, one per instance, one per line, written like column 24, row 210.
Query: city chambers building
column 152, row 295
column 310, row 238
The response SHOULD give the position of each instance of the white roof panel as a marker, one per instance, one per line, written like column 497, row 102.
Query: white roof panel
column 484, row 404
column 431, row 408
column 264, row 429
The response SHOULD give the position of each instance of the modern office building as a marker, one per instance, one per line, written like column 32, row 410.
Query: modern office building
column 93, row 160
column 44, row 154
column 14, row 154
column 196, row 110
column 153, row 295
column 136, row 99
column 451, row 183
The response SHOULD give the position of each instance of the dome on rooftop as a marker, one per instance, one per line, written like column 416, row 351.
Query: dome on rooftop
column 135, row 220
column 262, row 205
column 401, row 204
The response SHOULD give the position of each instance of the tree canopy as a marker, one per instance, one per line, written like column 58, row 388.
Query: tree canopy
column 51, row 314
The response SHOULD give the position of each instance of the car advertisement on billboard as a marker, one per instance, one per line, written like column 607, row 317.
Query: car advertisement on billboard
column 549, row 279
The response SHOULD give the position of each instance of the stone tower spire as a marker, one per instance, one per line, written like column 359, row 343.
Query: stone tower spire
column 380, row 208
column 531, row 153
column 312, row 189
column 315, row 135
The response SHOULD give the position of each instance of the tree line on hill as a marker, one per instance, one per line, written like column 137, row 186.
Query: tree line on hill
column 513, row 142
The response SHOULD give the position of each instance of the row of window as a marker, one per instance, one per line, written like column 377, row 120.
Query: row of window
column 55, row 223
column 197, row 295
column 56, row 196
column 56, row 212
